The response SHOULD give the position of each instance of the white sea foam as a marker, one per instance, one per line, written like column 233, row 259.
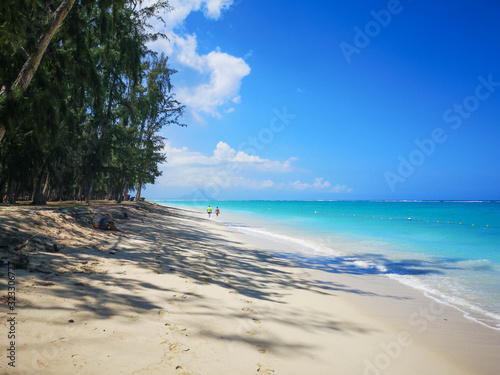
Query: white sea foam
column 444, row 274
column 306, row 246
column 470, row 310
column 310, row 247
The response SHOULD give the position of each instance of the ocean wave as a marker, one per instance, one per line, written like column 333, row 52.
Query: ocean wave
column 469, row 310
column 441, row 276
column 313, row 247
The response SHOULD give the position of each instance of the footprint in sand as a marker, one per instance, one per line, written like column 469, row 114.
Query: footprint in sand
column 176, row 299
column 247, row 309
column 78, row 360
column 263, row 370
column 175, row 329
column 257, row 321
column 91, row 328
column 181, row 371
column 252, row 332
column 177, row 348
column 162, row 314
column 261, row 349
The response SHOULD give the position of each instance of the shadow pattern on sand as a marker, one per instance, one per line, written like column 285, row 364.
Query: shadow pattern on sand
column 65, row 262
column 373, row 264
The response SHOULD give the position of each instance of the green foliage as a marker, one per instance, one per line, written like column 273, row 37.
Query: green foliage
column 89, row 121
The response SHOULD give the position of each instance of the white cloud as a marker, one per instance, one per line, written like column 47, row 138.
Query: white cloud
column 220, row 73
column 186, row 52
column 319, row 184
column 224, row 152
column 214, row 8
column 225, row 168
column 225, row 75
column 248, row 54
column 341, row 189
column 222, row 155
column 228, row 168
column 182, row 8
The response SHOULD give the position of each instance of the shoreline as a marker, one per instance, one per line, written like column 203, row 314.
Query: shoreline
column 177, row 293
column 339, row 249
column 420, row 315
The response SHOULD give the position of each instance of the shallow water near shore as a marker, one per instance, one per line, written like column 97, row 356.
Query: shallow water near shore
column 448, row 250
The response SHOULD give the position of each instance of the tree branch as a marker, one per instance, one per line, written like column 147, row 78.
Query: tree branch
column 31, row 65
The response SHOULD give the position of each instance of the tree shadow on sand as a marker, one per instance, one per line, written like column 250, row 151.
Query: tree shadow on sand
column 167, row 241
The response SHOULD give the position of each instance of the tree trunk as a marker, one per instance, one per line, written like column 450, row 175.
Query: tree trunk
column 88, row 193
column 61, row 190
column 121, row 191
column 79, row 196
column 18, row 192
column 10, row 188
column 139, row 191
column 38, row 197
column 120, row 197
column 2, row 189
column 46, row 188
column 109, row 196
column 31, row 65
column 125, row 190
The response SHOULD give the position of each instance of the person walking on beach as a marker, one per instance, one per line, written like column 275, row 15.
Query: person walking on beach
column 217, row 211
column 209, row 211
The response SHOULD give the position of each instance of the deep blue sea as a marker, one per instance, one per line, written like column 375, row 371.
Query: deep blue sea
column 448, row 250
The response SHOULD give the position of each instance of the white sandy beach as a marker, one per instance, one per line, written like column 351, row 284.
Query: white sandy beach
column 178, row 293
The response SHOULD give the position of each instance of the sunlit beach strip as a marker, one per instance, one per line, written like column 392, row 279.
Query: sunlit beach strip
column 447, row 250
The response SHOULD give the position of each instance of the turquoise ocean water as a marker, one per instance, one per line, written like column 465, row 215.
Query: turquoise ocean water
column 448, row 250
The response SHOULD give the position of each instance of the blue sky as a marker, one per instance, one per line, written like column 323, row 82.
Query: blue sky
column 333, row 100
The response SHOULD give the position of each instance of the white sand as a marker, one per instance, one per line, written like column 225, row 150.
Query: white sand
column 181, row 294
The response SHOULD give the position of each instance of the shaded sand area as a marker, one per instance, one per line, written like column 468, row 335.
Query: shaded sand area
column 177, row 293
